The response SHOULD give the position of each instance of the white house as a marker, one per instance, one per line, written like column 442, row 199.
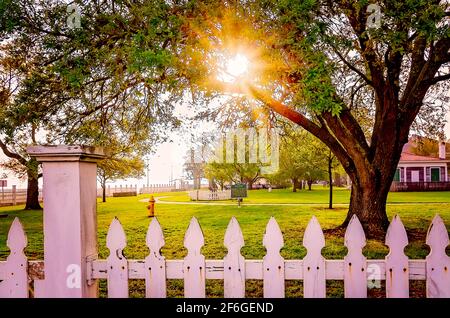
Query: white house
column 10, row 177
column 416, row 168
column 422, row 173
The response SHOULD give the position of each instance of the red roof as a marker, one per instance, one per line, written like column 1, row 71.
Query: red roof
column 407, row 156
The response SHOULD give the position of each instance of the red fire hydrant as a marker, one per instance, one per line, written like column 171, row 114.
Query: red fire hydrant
column 151, row 207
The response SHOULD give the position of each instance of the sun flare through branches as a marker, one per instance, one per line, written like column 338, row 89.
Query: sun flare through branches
column 234, row 68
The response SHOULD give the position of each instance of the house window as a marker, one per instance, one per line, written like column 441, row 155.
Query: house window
column 397, row 175
column 435, row 174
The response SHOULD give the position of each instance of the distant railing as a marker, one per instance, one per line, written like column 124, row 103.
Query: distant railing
column 157, row 188
column 153, row 188
column 419, row 186
column 110, row 191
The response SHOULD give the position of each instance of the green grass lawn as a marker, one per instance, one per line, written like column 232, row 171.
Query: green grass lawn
column 319, row 195
column 174, row 220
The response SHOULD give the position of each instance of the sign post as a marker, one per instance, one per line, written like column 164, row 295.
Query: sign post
column 239, row 191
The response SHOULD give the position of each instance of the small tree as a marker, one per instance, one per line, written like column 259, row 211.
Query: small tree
column 115, row 167
column 219, row 173
column 291, row 163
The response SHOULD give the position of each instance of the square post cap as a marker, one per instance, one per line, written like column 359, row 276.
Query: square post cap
column 59, row 153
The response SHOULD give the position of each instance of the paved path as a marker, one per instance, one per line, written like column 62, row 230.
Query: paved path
column 157, row 200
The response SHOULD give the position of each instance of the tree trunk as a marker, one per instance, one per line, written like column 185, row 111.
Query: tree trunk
column 294, row 185
column 32, row 192
column 309, row 185
column 337, row 179
column 330, row 179
column 368, row 202
column 104, row 190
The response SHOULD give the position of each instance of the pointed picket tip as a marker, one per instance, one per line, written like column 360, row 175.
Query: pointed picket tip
column 396, row 234
column 273, row 238
column 233, row 235
column 17, row 239
column 437, row 236
column 116, row 238
column 354, row 235
column 193, row 239
column 155, row 236
column 313, row 237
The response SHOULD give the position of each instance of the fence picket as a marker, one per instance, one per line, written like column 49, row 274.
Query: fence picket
column 15, row 282
column 155, row 263
column 234, row 262
column 117, row 263
column 438, row 263
column 397, row 271
column 314, row 285
column 194, row 262
column 355, row 263
column 273, row 263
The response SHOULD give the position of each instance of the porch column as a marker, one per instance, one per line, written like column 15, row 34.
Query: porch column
column 70, row 219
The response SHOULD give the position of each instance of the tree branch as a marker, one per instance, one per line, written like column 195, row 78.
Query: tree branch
column 439, row 79
column 11, row 154
column 352, row 67
column 322, row 133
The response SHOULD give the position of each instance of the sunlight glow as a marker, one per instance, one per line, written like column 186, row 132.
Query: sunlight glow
column 233, row 68
column 237, row 66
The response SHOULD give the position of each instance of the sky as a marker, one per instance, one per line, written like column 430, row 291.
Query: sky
column 167, row 161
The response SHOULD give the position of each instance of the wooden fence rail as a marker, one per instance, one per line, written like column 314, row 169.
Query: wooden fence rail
column 314, row 270
column 14, row 196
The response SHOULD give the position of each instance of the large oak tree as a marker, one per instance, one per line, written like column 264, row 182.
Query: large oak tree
column 327, row 66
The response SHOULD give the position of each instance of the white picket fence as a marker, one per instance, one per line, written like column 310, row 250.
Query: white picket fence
column 355, row 270
column 206, row 195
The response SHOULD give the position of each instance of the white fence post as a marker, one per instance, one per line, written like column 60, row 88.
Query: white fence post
column 194, row 262
column 273, row 262
column 438, row 263
column 155, row 263
column 314, row 284
column 355, row 263
column 397, row 269
column 15, row 282
column 70, row 224
column 117, row 264
column 234, row 262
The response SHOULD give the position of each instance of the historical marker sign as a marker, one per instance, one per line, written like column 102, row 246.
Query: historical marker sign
column 238, row 190
column 3, row 183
